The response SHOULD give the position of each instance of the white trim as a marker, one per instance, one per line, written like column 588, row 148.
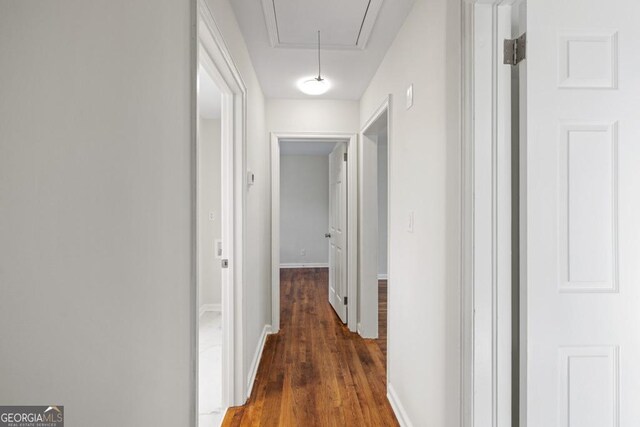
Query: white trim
column 384, row 106
column 255, row 362
column 383, row 277
column 305, row 265
column 217, row 308
column 398, row 408
column 466, row 218
column 212, row 53
column 369, row 20
column 369, row 321
column 486, row 215
column 352, row 231
column 270, row 22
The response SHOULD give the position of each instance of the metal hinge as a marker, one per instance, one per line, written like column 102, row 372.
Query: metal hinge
column 225, row 263
column 345, row 157
column 345, row 300
column 515, row 50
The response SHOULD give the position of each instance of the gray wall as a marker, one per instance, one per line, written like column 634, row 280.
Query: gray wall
column 424, row 295
column 312, row 115
column 304, row 209
column 209, row 193
column 95, row 209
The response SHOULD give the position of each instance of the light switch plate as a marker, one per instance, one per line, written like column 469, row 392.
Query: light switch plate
column 410, row 96
column 410, row 222
column 218, row 248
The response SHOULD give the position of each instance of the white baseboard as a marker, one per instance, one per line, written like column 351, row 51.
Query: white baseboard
column 253, row 369
column 383, row 276
column 210, row 307
column 398, row 409
column 305, row 265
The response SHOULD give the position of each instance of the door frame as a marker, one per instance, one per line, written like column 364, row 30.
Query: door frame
column 352, row 204
column 486, row 264
column 368, row 321
column 212, row 53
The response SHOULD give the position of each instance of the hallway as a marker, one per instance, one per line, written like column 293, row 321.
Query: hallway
column 315, row 372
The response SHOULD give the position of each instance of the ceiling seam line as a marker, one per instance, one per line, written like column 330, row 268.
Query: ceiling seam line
column 364, row 18
column 275, row 18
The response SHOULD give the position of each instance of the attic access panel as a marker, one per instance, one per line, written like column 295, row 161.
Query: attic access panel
column 344, row 24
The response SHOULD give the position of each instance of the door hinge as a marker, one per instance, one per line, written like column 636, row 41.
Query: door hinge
column 345, row 300
column 225, row 263
column 345, row 157
column 515, row 50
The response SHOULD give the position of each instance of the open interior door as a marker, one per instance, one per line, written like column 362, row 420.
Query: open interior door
column 337, row 235
column 583, row 213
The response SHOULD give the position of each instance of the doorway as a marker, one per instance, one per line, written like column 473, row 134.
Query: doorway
column 328, row 240
column 219, row 195
column 373, row 217
column 210, row 251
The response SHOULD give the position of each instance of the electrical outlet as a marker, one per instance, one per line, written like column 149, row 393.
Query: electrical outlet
column 212, row 216
column 303, row 252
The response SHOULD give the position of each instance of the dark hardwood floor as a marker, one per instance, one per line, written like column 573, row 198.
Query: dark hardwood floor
column 315, row 372
column 382, row 317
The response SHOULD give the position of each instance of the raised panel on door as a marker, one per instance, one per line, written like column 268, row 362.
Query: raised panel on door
column 582, row 251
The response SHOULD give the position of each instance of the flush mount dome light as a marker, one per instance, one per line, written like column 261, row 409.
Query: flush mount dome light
column 314, row 85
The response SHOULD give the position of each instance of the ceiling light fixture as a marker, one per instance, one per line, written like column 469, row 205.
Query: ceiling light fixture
column 315, row 85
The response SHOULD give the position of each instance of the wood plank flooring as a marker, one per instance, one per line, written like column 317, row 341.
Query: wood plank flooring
column 382, row 317
column 315, row 372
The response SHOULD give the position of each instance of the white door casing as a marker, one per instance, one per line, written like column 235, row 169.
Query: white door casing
column 582, row 209
column 337, row 235
column 487, row 312
column 368, row 226
column 352, row 231
column 368, row 208
column 214, row 56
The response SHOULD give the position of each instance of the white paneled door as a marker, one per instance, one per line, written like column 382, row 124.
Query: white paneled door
column 582, row 241
column 337, row 235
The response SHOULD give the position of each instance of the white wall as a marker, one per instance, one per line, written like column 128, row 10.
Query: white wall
column 312, row 115
column 210, row 198
column 304, row 209
column 424, row 289
column 382, row 204
column 95, row 209
column 257, row 279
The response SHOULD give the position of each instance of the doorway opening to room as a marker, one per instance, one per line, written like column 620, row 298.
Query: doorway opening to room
column 373, row 218
column 210, row 250
column 219, row 195
column 314, row 217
